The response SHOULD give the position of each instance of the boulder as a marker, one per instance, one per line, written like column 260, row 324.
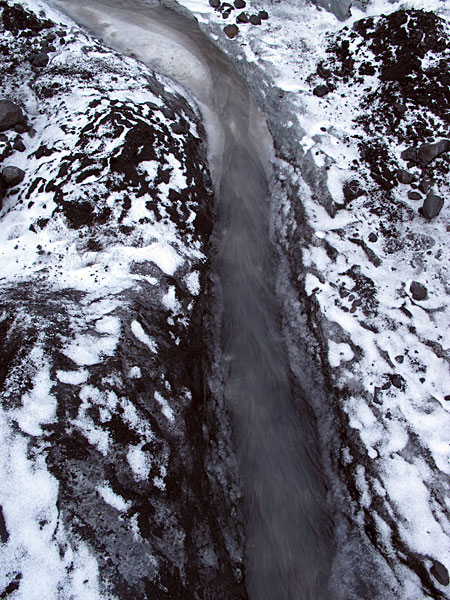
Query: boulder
column 240, row 4
column 410, row 155
column 428, row 152
column 231, row 31
column 432, row 206
column 263, row 15
column 425, row 185
column 214, row 3
column 10, row 114
column 40, row 59
column 440, row 573
column 373, row 237
column 255, row 20
column 12, row 176
column 418, row 291
column 242, row 17
column 415, row 196
column 323, row 72
column 404, row 176
column 321, row 90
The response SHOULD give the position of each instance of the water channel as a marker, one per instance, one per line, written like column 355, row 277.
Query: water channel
column 289, row 544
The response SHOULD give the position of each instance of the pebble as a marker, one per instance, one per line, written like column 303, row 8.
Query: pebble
column 12, row 176
column 432, row 206
column 321, row 90
column 418, row 291
column 240, row 4
column 415, row 196
column 255, row 20
column 373, row 237
column 404, row 176
column 440, row 573
column 231, row 31
column 242, row 17
column 10, row 115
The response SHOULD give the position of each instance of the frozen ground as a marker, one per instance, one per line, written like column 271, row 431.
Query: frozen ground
column 350, row 260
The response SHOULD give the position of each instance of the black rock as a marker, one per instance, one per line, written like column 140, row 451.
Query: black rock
column 179, row 127
column 352, row 190
column 231, row 31
column 12, row 176
column 263, row 15
column 4, row 535
column 415, row 196
column 397, row 381
column 50, row 37
column 242, row 17
column 214, row 3
column 428, row 152
column 432, row 206
column 440, row 573
column 410, row 155
column 40, row 59
column 404, row 176
column 255, row 20
column 425, row 185
column 240, row 4
column 10, row 114
column 323, row 72
column 321, row 90
column 19, row 145
column 399, row 109
column 418, row 291
column 373, row 237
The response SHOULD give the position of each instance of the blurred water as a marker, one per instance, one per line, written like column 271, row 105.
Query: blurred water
column 289, row 542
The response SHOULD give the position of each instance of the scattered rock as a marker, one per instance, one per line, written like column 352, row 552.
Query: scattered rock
column 404, row 176
column 415, row 196
column 425, row 185
column 40, row 59
column 231, row 31
column 263, row 15
column 410, row 155
column 255, row 20
column 10, row 114
column 428, row 152
column 321, row 90
column 372, row 237
column 418, row 291
column 440, row 573
column 323, row 72
column 240, row 4
column 12, row 176
column 432, row 206
column 242, row 17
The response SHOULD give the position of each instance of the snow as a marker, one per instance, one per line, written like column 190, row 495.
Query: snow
column 111, row 498
column 139, row 332
column 165, row 408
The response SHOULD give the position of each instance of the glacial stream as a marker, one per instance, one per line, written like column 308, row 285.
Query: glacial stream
column 289, row 543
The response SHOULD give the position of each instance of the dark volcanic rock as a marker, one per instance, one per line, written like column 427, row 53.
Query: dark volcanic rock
column 214, row 3
column 12, row 176
column 10, row 114
column 418, row 291
column 263, row 15
column 440, row 573
column 410, row 155
column 40, row 59
column 321, row 90
column 415, row 196
column 242, row 17
column 231, row 31
column 432, row 206
column 255, row 19
column 240, row 4
column 428, row 152
column 404, row 176
column 425, row 185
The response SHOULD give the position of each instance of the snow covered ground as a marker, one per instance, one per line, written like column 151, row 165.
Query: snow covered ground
column 103, row 250
column 354, row 242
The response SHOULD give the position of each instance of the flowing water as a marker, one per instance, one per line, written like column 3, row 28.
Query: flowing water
column 289, row 545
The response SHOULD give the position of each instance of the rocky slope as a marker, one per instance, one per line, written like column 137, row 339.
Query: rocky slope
column 359, row 115
column 116, row 479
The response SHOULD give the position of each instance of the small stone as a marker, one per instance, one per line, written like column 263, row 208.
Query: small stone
column 321, row 90
column 242, row 17
column 428, row 152
column 440, row 573
column 231, row 31
column 263, row 15
column 12, row 176
column 432, row 206
column 50, row 37
column 373, row 237
column 397, row 381
column 418, row 291
column 10, row 115
column 214, row 3
column 404, row 176
column 425, row 185
column 40, row 59
column 240, row 4
column 410, row 155
column 19, row 145
column 415, row 196
column 255, row 20
column 400, row 359
column 179, row 128
column 323, row 72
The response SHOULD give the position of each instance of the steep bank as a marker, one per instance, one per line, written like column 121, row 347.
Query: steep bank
column 104, row 290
